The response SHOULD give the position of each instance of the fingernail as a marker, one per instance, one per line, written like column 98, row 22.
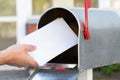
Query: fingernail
column 33, row 47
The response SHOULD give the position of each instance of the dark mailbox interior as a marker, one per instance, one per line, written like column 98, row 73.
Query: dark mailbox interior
column 70, row 56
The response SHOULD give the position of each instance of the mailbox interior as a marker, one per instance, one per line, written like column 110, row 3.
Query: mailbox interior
column 71, row 55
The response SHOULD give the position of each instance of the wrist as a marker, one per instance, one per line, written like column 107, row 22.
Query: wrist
column 3, row 57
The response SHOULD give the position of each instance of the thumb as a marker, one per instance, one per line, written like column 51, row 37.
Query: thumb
column 30, row 47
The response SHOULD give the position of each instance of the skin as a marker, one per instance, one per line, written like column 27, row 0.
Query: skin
column 17, row 55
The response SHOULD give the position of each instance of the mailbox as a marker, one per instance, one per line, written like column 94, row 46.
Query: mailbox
column 102, row 49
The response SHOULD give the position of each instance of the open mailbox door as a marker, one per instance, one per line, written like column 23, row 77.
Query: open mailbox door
column 50, row 74
column 102, row 49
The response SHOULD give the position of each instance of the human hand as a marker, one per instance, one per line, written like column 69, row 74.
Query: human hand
column 17, row 55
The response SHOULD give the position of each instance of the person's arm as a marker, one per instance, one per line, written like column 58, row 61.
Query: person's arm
column 2, row 58
column 17, row 55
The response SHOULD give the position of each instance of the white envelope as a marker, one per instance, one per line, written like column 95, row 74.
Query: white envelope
column 50, row 41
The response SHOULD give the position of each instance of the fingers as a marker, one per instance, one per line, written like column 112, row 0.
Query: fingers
column 29, row 60
column 29, row 47
column 31, row 63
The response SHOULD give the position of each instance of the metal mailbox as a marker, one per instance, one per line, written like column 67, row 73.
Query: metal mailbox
column 102, row 49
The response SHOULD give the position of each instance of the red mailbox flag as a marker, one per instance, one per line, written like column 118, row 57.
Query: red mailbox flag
column 87, row 4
